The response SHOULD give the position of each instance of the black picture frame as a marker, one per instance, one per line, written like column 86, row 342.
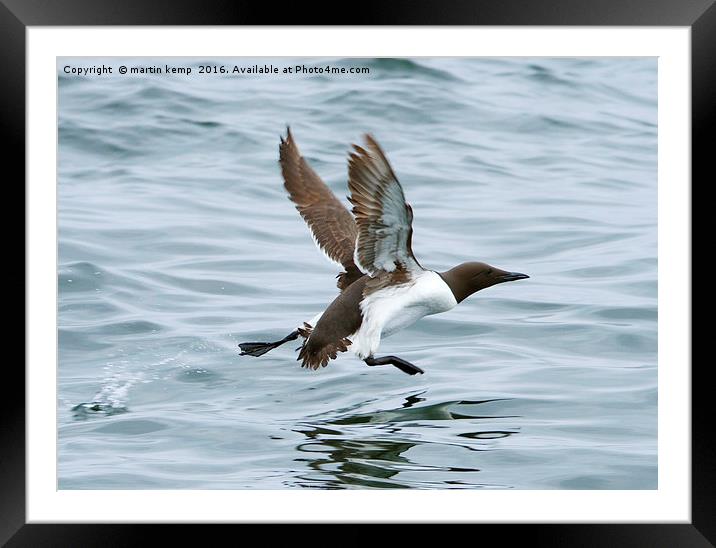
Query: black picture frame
column 17, row 15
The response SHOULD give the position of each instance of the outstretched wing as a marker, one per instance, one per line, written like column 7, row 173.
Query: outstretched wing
column 383, row 217
column 333, row 227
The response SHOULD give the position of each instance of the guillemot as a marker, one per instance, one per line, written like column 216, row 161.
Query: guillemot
column 383, row 286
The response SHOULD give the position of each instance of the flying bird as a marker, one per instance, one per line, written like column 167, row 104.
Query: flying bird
column 383, row 287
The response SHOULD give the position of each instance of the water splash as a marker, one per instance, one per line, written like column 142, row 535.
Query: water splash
column 112, row 397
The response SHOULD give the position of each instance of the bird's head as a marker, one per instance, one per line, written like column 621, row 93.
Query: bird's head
column 468, row 278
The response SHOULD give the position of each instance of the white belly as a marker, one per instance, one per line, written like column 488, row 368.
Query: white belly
column 392, row 309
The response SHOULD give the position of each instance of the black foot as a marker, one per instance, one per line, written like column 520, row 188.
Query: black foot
column 405, row 367
column 259, row 348
column 255, row 349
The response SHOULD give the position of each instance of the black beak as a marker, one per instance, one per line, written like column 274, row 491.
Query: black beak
column 512, row 276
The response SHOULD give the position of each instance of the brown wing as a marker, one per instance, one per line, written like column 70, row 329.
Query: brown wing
column 333, row 227
column 383, row 217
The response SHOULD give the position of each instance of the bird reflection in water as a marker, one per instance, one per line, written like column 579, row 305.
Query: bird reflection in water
column 370, row 451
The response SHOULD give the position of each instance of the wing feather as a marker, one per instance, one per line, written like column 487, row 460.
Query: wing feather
column 333, row 228
column 383, row 218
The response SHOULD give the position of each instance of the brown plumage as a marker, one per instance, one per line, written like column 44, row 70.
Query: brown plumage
column 383, row 217
column 331, row 224
column 330, row 335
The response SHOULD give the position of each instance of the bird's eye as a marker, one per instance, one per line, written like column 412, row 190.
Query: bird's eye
column 489, row 271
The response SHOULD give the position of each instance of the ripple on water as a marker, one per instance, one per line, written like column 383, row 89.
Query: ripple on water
column 132, row 427
column 197, row 374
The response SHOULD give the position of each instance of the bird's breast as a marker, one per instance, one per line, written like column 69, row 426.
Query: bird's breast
column 394, row 308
